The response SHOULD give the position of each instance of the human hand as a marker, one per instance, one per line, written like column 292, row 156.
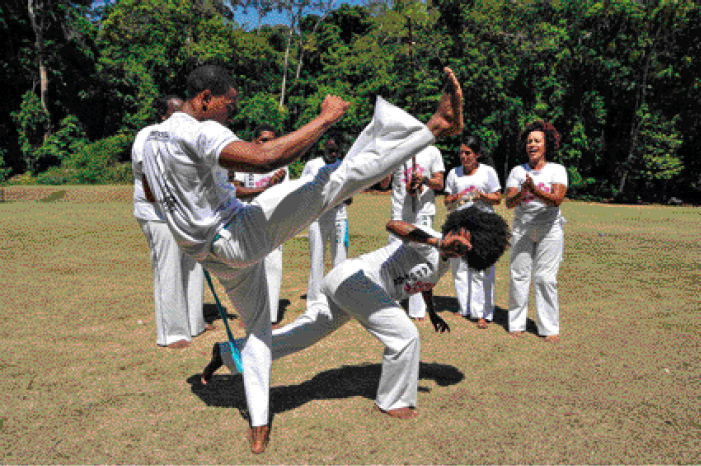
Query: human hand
column 414, row 184
column 333, row 108
column 528, row 184
column 439, row 325
column 456, row 244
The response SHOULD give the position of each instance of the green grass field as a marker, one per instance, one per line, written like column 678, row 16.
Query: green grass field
column 82, row 380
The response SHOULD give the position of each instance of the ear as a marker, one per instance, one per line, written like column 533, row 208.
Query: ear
column 203, row 99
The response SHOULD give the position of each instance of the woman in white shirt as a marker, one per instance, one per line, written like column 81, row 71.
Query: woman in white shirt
column 473, row 183
column 536, row 189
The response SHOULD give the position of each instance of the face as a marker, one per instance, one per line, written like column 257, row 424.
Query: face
column 468, row 158
column 331, row 152
column 535, row 147
column 221, row 108
column 264, row 136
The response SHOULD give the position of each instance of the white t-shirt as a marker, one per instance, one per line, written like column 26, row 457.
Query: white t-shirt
column 532, row 210
column 143, row 209
column 428, row 162
column 337, row 213
column 483, row 179
column 192, row 191
column 258, row 180
column 405, row 268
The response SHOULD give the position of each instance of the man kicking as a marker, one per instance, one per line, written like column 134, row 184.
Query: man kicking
column 370, row 287
column 186, row 159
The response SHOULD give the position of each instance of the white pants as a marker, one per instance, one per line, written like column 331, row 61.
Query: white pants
column 417, row 305
column 178, row 286
column 474, row 290
column 273, row 273
column 348, row 292
column 326, row 230
column 536, row 251
column 279, row 213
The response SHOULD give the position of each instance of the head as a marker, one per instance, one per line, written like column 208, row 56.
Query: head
column 541, row 141
column 264, row 133
column 212, row 94
column 166, row 106
column 489, row 235
column 470, row 151
column 332, row 148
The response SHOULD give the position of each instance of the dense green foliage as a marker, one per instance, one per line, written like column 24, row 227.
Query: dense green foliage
column 620, row 79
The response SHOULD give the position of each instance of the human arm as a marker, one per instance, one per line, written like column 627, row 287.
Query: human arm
column 271, row 155
column 453, row 245
column 242, row 192
column 439, row 324
column 436, row 182
column 553, row 197
column 489, row 198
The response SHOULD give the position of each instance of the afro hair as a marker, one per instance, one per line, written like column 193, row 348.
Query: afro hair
column 489, row 235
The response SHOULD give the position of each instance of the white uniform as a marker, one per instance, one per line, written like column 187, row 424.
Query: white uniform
column 368, row 288
column 332, row 229
column 178, row 280
column 273, row 261
column 231, row 238
column 536, row 249
column 474, row 288
column 428, row 162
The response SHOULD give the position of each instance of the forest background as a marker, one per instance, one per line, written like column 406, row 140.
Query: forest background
column 620, row 79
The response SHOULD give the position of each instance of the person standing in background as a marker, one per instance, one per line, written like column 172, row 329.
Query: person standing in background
column 414, row 186
column 473, row 183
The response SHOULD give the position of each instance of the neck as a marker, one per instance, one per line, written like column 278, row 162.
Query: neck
column 189, row 109
column 470, row 170
column 538, row 165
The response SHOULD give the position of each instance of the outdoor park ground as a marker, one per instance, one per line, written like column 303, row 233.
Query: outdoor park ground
column 82, row 381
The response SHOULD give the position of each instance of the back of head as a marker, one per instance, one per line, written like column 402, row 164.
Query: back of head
column 166, row 105
column 489, row 235
column 213, row 78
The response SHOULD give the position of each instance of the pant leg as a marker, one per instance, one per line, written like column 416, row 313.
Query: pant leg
column 338, row 243
column 282, row 211
column 417, row 305
column 546, row 264
column 273, row 272
column 246, row 290
column 172, row 323
column 193, row 282
column 316, row 259
column 356, row 294
column 482, row 293
column 522, row 250
column 462, row 285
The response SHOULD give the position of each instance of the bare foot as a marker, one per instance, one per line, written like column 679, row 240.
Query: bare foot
column 482, row 323
column 180, row 344
column 399, row 413
column 448, row 119
column 259, row 437
column 214, row 364
column 553, row 339
column 209, row 327
column 516, row 334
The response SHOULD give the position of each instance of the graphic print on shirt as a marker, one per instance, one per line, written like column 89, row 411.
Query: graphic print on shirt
column 530, row 196
column 167, row 200
column 415, row 281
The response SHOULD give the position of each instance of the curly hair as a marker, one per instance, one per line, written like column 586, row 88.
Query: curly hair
column 552, row 137
column 489, row 235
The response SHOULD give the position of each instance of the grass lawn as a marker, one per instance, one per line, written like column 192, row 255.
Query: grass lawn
column 82, row 380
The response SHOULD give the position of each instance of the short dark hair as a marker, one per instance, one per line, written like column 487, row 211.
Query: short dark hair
column 213, row 78
column 473, row 143
column 489, row 235
column 161, row 104
column 552, row 137
column 260, row 129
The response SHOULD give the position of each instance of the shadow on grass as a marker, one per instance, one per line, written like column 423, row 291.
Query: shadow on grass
column 501, row 315
column 211, row 313
column 53, row 197
column 227, row 391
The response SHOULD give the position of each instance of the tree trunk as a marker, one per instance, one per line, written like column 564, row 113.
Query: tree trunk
column 37, row 26
column 284, row 68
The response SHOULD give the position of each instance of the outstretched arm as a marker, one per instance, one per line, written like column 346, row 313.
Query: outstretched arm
column 262, row 158
column 453, row 245
column 439, row 324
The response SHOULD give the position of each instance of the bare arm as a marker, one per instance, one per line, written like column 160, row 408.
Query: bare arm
column 436, row 182
column 409, row 232
column 439, row 324
column 491, row 198
column 554, row 197
column 245, row 193
column 271, row 155
column 513, row 197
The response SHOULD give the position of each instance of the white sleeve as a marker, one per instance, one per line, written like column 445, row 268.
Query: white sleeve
column 493, row 180
column 450, row 182
column 560, row 175
column 514, row 180
column 307, row 168
column 212, row 138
